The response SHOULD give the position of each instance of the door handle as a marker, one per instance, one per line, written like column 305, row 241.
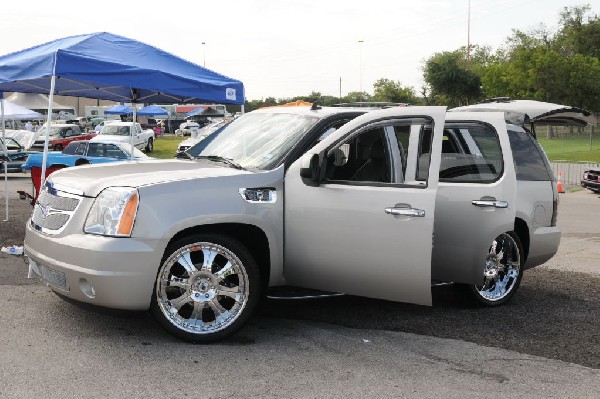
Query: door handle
column 490, row 203
column 405, row 212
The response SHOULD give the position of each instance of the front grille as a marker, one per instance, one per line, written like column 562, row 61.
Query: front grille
column 53, row 210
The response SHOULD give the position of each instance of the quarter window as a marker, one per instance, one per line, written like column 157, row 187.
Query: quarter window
column 530, row 160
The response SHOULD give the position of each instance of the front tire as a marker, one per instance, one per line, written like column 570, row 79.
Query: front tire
column 502, row 271
column 150, row 145
column 207, row 287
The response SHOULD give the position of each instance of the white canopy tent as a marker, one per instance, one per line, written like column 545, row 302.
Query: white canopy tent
column 13, row 111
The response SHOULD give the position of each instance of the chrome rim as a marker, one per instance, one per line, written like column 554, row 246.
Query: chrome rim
column 202, row 288
column 502, row 269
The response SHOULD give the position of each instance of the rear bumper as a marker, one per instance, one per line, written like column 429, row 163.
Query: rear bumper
column 543, row 245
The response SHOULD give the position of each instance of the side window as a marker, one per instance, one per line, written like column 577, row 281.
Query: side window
column 113, row 151
column 388, row 152
column 70, row 149
column 530, row 160
column 361, row 159
column 95, row 150
column 470, row 153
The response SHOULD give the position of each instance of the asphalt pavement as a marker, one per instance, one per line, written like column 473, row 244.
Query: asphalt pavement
column 545, row 343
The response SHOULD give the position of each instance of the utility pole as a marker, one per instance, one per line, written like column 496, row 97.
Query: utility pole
column 360, row 43
column 469, row 34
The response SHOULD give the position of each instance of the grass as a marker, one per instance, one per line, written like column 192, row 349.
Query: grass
column 573, row 147
column 166, row 146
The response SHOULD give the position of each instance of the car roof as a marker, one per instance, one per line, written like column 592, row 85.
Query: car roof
column 319, row 111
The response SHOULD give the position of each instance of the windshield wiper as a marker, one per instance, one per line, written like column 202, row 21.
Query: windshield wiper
column 218, row 158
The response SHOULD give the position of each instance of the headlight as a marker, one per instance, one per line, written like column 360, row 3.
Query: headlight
column 113, row 212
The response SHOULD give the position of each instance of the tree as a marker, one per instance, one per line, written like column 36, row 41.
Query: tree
column 447, row 76
column 386, row 90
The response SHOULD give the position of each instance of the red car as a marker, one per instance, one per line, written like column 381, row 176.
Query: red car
column 60, row 136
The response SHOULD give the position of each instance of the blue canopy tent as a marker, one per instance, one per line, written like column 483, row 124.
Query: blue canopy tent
column 119, row 110
column 111, row 67
column 153, row 110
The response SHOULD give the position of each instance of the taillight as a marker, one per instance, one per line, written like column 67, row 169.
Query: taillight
column 554, row 204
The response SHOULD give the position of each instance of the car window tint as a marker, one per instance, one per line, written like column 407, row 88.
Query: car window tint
column 381, row 154
column 111, row 150
column 470, row 153
column 70, row 149
column 530, row 161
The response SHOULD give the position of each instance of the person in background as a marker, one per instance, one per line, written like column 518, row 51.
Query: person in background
column 28, row 126
column 98, row 128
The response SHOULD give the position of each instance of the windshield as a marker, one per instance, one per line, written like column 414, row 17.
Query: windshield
column 115, row 130
column 10, row 144
column 255, row 140
column 54, row 131
column 136, row 152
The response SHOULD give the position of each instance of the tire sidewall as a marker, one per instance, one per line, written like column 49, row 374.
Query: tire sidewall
column 254, row 289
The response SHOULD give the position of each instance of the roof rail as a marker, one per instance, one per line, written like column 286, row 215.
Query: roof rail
column 373, row 104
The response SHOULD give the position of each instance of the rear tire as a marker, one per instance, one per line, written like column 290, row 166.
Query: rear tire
column 207, row 287
column 502, row 271
column 150, row 145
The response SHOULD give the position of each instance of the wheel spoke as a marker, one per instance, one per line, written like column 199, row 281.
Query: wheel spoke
column 227, row 270
column 178, row 282
column 197, row 312
column 178, row 302
column 186, row 262
column 209, row 258
column 217, row 308
column 231, row 292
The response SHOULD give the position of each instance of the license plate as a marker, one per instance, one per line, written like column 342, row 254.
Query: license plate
column 54, row 278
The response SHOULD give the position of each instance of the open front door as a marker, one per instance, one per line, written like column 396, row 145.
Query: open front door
column 363, row 225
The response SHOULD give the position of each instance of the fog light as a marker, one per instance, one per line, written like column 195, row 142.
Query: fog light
column 87, row 288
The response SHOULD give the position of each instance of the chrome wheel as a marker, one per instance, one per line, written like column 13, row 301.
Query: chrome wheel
column 502, row 270
column 203, row 288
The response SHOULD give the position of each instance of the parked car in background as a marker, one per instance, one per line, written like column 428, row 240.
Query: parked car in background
column 84, row 152
column 14, row 157
column 143, row 139
column 199, row 135
column 188, row 128
column 591, row 180
column 59, row 136
column 376, row 203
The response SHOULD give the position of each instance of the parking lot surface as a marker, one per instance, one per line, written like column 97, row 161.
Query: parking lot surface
column 543, row 344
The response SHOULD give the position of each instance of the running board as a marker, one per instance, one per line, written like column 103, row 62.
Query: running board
column 288, row 292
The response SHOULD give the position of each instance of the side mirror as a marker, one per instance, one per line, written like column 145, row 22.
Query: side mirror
column 312, row 174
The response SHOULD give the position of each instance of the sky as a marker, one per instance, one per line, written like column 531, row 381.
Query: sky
column 288, row 48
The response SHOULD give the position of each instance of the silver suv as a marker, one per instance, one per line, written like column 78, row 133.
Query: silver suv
column 378, row 203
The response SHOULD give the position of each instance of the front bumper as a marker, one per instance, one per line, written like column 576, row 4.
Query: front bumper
column 591, row 184
column 112, row 272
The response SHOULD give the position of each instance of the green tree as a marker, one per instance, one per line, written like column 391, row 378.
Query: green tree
column 386, row 90
column 448, row 77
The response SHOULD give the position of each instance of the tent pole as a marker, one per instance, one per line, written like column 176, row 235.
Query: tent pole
column 133, row 129
column 48, row 125
column 5, row 156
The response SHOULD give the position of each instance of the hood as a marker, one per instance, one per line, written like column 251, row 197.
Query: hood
column 92, row 179
column 112, row 137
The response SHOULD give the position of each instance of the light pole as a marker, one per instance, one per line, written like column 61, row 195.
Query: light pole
column 204, row 54
column 360, row 72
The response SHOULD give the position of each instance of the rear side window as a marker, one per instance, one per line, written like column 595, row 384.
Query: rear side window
column 530, row 161
column 471, row 153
